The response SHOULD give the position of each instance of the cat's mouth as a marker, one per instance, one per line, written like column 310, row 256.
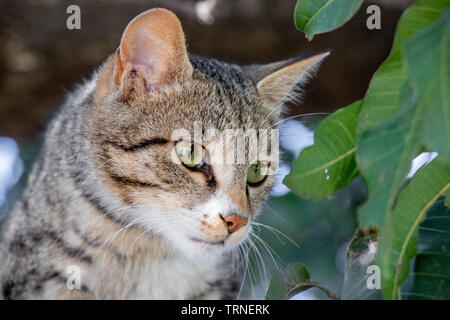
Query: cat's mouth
column 215, row 243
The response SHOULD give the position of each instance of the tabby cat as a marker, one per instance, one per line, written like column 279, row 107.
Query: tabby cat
column 115, row 207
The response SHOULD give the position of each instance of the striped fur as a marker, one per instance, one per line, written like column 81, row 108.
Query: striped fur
column 105, row 196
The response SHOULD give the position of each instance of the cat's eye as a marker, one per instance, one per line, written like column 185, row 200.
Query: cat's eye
column 257, row 172
column 190, row 154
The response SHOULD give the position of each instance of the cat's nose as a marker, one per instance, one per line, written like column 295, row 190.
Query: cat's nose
column 234, row 222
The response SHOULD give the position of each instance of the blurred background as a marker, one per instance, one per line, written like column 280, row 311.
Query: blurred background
column 40, row 60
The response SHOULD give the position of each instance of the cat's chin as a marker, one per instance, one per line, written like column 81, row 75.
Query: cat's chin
column 200, row 250
column 195, row 248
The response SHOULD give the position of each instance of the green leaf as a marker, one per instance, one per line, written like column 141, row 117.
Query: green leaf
column 431, row 273
column 398, row 238
column 293, row 279
column 329, row 164
column 447, row 199
column 427, row 61
column 382, row 99
column 384, row 158
column 319, row 16
column 385, row 152
column 288, row 281
column 360, row 255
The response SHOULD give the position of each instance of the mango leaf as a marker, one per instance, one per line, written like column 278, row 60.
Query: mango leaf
column 293, row 279
column 319, row 16
column 427, row 61
column 431, row 274
column 398, row 239
column 447, row 199
column 382, row 98
column 384, row 158
column 329, row 164
column 360, row 269
column 284, row 281
column 385, row 152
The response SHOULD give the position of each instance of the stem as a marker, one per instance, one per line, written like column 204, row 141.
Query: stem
column 329, row 293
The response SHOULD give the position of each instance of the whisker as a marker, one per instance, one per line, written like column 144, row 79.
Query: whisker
column 298, row 116
column 264, row 273
column 269, row 250
column 277, row 232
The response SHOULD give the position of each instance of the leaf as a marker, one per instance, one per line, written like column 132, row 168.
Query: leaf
column 398, row 238
column 360, row 255
column 288, row 281
column 385, row 152
column 431, row 273
column 382, row 98
column 384, row 158
column 319, row 16
column 329, row 164
column 447, row 199
column 293, row 279
column 427, row 61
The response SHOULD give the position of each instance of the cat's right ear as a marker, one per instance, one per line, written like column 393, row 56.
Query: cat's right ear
column 152, row 49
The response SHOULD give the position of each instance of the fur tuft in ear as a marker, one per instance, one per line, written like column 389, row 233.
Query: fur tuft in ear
column 276, row 82
column 153, row 47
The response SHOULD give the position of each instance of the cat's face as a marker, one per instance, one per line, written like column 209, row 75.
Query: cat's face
column 160, row 127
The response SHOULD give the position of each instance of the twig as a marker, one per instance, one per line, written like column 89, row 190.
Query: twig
column 313, row 284
column 329, row 293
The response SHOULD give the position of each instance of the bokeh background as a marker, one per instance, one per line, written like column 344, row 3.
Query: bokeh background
column 40, row 60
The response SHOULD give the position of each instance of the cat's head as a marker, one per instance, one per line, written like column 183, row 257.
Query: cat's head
column 152, row 129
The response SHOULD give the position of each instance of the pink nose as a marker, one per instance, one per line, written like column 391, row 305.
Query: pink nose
column 234, row 222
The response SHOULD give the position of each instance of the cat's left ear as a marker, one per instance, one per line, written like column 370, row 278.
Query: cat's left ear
column 276, row 82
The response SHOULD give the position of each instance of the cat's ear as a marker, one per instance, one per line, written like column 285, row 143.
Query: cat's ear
column 153, row 47
column 276, row 82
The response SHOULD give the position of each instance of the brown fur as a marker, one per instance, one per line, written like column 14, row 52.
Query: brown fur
column 108, row 193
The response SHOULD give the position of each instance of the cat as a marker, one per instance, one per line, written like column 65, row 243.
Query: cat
column 114, row 207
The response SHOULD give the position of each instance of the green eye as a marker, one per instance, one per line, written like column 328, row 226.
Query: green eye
column 257, row 172
column 190, row 153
